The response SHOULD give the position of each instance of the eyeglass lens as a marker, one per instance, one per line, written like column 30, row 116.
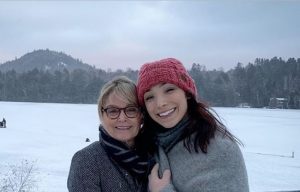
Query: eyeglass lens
column 114, row 112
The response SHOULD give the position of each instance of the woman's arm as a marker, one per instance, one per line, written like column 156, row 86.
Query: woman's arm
column 221, row 169
column 82, row 176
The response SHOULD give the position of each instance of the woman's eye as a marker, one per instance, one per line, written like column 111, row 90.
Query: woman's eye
column 170, row 89
column 113, row 110
column 148, row 98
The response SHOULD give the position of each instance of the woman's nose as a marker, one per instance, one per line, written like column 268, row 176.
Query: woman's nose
column 122, row 115
column 161, row 101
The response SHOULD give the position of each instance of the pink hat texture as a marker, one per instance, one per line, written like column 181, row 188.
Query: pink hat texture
column 168, row 70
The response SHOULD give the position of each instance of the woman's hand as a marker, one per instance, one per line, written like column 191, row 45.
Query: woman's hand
column 155, row 183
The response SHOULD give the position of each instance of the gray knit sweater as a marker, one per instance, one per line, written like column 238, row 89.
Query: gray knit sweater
column 93, row 171
column 222, row 169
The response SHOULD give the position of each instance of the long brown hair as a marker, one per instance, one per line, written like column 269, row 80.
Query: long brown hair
column 205, row 123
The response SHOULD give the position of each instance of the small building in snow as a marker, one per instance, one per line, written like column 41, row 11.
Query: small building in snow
column 244, row 105
column 278, row 103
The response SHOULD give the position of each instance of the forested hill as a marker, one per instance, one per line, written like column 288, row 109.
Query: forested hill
column 44, row 60
column 254, row 83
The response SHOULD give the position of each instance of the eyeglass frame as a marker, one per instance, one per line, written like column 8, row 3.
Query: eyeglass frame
column 119, row 111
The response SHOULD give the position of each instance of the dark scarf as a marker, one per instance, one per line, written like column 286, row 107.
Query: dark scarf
column 124, row 156
column 168, row 137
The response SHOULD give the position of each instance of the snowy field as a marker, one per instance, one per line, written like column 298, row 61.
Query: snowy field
column 49, row 134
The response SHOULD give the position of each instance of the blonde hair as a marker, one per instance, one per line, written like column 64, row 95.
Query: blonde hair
column 122, row 86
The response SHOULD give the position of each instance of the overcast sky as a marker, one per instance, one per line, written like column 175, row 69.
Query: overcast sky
column 126, row 34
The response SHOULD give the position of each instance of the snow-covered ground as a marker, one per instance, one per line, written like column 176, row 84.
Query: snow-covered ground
column 49, row 134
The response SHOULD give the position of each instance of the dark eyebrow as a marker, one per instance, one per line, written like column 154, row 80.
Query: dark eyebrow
column 160, row 85
column 168, row 84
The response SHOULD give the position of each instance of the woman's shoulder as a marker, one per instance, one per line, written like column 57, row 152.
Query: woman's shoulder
column 225, row 147
column 219, row 147
column 92, row 151
column 222, row 139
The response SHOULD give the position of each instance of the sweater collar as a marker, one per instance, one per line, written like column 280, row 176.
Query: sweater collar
column 168, row 137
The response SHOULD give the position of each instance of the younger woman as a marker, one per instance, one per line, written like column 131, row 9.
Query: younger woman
column 184, row 134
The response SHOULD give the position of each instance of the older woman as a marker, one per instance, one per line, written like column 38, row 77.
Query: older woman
column 113, row 163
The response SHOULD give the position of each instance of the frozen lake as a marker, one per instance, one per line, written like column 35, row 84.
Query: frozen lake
column 50, row 134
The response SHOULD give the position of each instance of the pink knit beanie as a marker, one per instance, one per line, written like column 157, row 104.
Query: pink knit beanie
column 168, row 70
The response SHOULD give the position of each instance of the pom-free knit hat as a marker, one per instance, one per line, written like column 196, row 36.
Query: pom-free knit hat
column 168, row 70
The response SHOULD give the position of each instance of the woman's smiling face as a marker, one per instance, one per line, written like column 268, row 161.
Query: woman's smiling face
column 122, row 128
column 166, row 104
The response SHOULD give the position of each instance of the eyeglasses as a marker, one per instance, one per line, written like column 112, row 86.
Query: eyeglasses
column 114, row 112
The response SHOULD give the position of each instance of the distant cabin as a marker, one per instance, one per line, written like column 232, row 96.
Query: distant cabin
column 244, row 105
column 278, row 103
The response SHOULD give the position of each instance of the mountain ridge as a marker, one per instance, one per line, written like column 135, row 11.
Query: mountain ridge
column 45, row 60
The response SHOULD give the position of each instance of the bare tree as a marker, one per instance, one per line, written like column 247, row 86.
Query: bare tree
column 19, row 178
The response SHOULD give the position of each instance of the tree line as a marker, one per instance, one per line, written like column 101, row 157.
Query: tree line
column 254, row 83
